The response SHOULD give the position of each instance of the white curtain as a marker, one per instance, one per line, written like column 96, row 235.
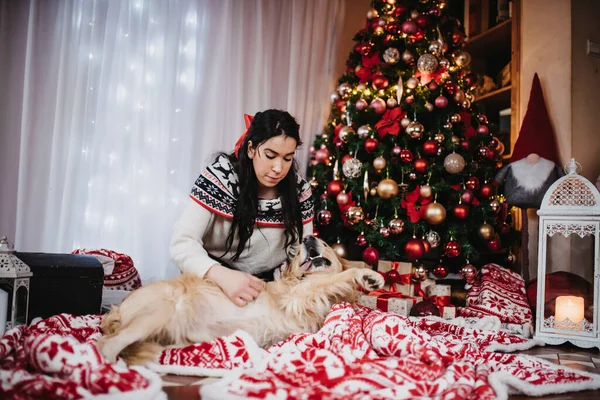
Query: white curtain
column 112, row 108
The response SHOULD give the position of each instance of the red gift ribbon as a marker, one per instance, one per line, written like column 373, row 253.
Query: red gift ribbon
column 395, row 279
column 439, row 301
column 383, row 297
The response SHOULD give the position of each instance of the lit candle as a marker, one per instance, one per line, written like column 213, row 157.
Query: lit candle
column 569, row 307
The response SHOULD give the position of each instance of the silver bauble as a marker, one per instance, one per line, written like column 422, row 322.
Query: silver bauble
column 345, row 89
column 415, row 130
column 436, row 47
column 333, row 97
column 352, row 168
column 364, row 131
column 427, row 63
column 462, row 59
column 391, row 55
column 407, row 57
column 454, row 163
column 391, row 102
column 346, row 132
column 433, row 238
column 412, row 83
column 444, row 63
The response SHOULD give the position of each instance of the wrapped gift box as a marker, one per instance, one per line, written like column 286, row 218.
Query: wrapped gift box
column 441, row 296
column 401, row 282
column 449, row 312
column 389, row 302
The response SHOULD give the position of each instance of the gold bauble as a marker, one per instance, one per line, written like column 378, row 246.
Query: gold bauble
column 486, row 231
column 454, row 163
column 379, row 163
column 387, row 188
column 340, row 250
column 396, row 226
column 439, row 137
column 345, row 133
column 455, row 139
column 373, row 191
column 419, row 272
column 355, row 214
column 426, row 191
column 495, row 205
column 435, row 213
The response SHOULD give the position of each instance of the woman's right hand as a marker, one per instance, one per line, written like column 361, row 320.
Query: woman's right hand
column 240, row 287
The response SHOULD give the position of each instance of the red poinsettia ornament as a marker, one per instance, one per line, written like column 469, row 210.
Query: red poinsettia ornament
column 390, row 122
column 368, row 63
column 414, row 205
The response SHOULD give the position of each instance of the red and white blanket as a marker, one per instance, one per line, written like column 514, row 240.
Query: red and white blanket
column 359, row 353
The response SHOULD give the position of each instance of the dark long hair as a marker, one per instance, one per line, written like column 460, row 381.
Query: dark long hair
column 265, row 125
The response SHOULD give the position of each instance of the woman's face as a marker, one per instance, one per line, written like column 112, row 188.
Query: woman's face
column 272, row 159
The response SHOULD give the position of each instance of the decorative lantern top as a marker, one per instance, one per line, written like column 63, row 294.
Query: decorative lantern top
column 571, row 195
column 10, row 265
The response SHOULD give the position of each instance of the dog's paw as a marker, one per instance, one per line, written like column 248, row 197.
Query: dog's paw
column 370, row 280
column 109, row 352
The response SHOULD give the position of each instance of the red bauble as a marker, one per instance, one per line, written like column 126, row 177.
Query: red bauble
column 341, row 105
column 406, row 156
column 410, row 99
column 430, row 147
column 467, row 196
column 461, row 211
column 364, row 48
column 392, row 276
column 334, row 188
column 425, row 308
column 465, row 144
column 380, row 82
column 483, row 151
column 472, row 183
column 343, row 199
column 423, row 21
column 378, row 106
column 452, row 249
column 346, row 158
column 486, row 191
column 409, row 27
column 322, row 156
column 361, row 240
column 426, row 245
column 370, row 255
column 494, row 244
column 491, row 154
column 483, row 130
column 414, row 249
column 433, row 85
column 458, row 37
column 504, row 228
column 468, row 272
column 384, row 231
column 324, row 217
column 421, row 165
column 393, row 27
column 440, row 272
column 450, row 88
column 371, row 145
column 441, row 102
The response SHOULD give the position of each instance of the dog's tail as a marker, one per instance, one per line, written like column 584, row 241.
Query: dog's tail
column 111, row 322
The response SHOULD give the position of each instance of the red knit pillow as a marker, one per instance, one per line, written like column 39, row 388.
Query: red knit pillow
column 500, row 292
column 120, row 273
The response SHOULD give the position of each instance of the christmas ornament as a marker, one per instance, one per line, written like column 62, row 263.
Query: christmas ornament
column 435, row 213
column 470, row 80
column 447, row 125
column 373, row 191
column 419, row 273
column 378, row 30
column 396, row 226
column 364, row 131
column 412, row 83
column 483, row 130
column 433, row 238
column 354, row 215
column 427, row 63
column 345, row 133
column 450, row 87
column 379, row 163
column 387, row 188
column 413, row 249
column 404, row 122
column 494, row 244
column 415, row 130
column 373, row 223
column 444, row 63
column 342, row 198
column 345, row 89
column 433, row 85
column 493, row 144
column 452, row 249
column 430, row 147
column 406, row 156
column 436, row 47
column 324, row 217
column 424, row 308
column 495, row 205
column 420, row 165
column 441, row 102
column 410, row 99
column 352, row 168
column 461, row 211
column 322, row 156
column 455, row 118
column 380, row 82
column 396, row 150
column 391, row 55
column 468, row 272
column 455, row 139
column 384, row 231
column 314, row 183
column 429, row 106
column 482, row 119
column 425, row 191
column 412, row 176
column 409, row 27
column 486, row 231
column 486, row 191
column 371, row 145
column 361, row 104
column 510, row 257
column 426, row 245
column 440, row 272
column 346, row 158
column 504, row 228
column 462, row 59
column 378, row 105
column 454, row 163
column 361, row 240
column 340, row 250
column 472, row 183
column 407, row 57
column 459, row 96
column 370, row 255
column 439, row 137
column 334, row 187
column 372, row 14
column 391, row 102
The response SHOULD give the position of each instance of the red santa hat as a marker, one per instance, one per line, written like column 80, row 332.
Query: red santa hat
column 536, row 135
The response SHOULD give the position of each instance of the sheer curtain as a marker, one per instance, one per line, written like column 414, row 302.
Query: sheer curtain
column 117, row 105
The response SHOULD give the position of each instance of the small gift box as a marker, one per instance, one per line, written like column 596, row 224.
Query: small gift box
column 397, row 276
column 448, row 312
column 440, row 295
column 390, row 302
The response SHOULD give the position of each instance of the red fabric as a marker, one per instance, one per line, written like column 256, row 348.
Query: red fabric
column 499, row 292
column 124, row 275
column 536, row 134
column 56, row 359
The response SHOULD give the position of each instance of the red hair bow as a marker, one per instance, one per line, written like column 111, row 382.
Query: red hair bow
column 240, row 141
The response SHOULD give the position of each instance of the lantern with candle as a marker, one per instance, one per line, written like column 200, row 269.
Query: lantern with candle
column 569, row 233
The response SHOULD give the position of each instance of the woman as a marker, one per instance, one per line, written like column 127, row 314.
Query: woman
column 247, row 211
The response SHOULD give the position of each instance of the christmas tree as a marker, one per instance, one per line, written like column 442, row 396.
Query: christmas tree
column 404, row 169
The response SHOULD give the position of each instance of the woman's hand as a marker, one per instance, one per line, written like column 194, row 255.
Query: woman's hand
column 240, row 287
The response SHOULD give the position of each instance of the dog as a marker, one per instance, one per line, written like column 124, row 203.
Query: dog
column 189, row 309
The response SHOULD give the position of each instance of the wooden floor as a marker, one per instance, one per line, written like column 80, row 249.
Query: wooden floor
column 188, row 387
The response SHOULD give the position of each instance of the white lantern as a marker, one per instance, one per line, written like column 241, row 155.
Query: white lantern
column 14, row 276
column 568, row 285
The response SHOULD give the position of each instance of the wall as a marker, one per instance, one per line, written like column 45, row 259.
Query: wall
column 356, row 15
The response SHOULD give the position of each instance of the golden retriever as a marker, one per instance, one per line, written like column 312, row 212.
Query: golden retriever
column 189, row 309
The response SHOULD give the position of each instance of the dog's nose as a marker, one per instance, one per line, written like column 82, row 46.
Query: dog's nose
column 308, row 239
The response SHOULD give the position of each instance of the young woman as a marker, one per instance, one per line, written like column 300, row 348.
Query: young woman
column 248, row 210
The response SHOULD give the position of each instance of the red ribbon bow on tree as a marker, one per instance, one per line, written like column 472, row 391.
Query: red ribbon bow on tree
column 248, row 120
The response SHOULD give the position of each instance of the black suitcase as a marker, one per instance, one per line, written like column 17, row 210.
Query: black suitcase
column 63, row 283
